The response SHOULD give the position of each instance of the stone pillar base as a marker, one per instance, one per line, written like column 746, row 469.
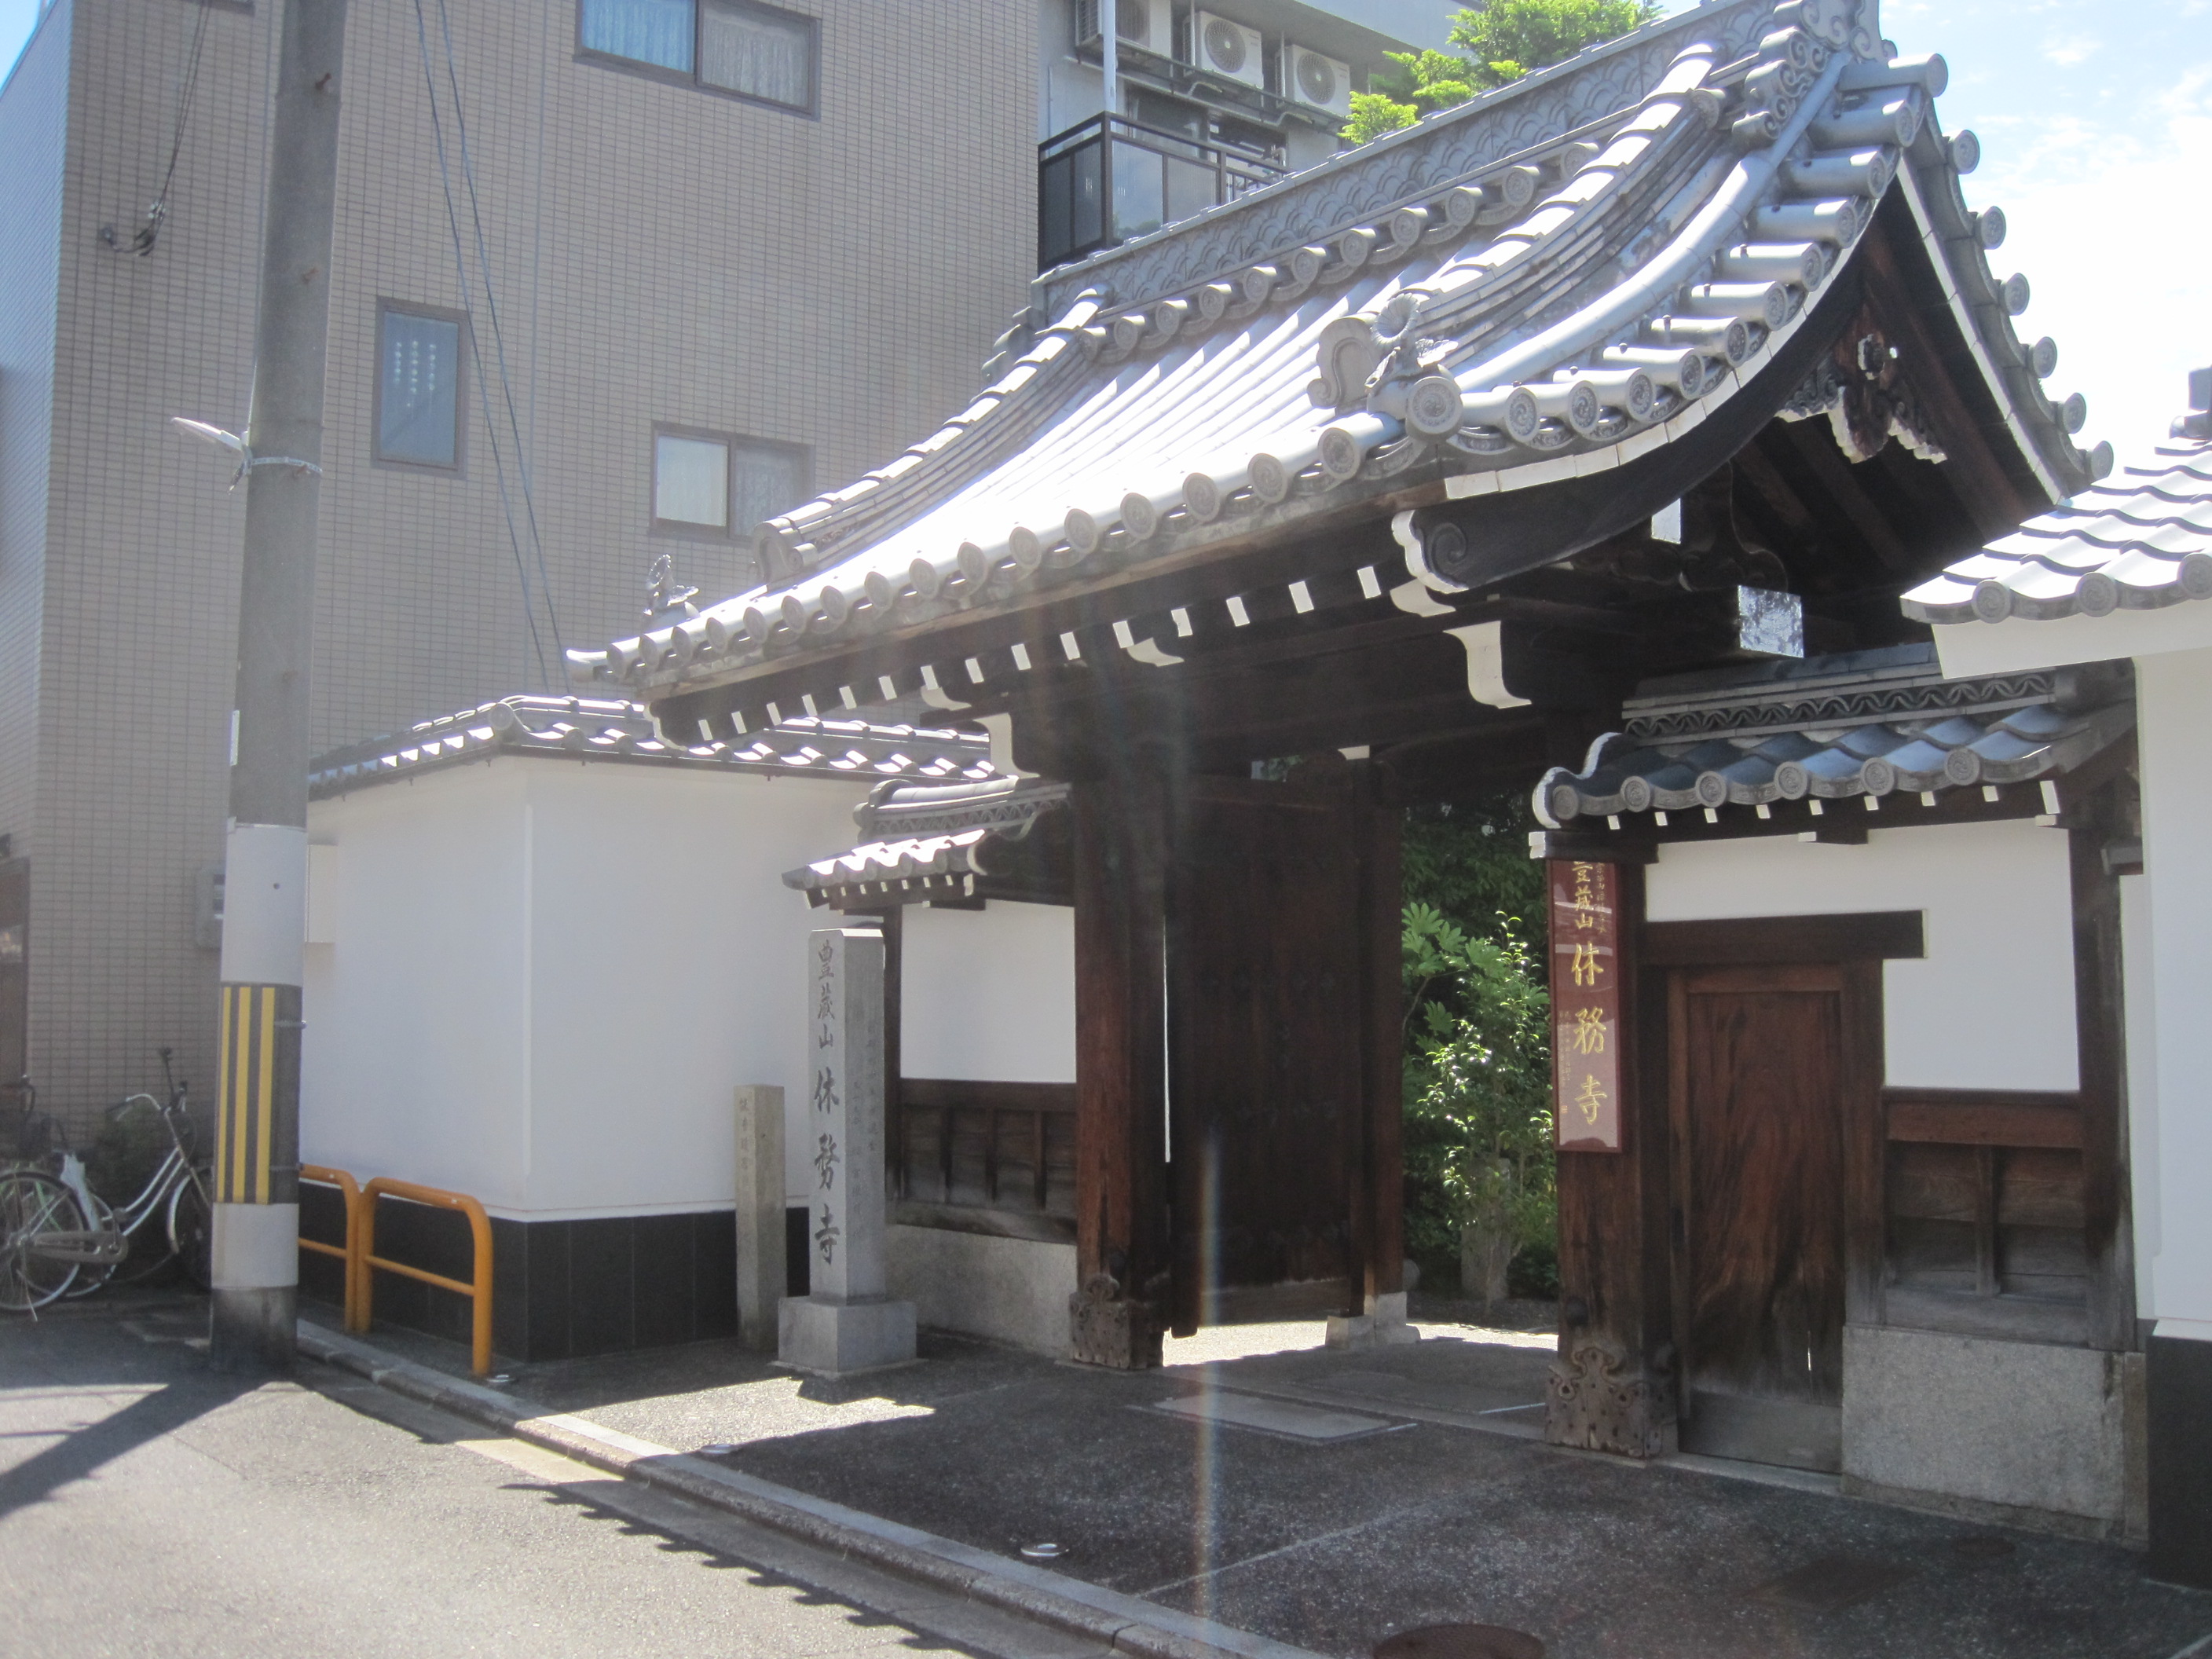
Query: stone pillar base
column 1105, row 1328
column 1596, row 1401
column 836, row 1338
column 1382, row 1325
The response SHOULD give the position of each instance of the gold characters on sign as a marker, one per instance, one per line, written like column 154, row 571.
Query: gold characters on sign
column 1591, row 1101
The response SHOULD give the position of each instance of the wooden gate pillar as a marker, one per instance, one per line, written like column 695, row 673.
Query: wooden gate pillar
column 1612, row 1387
column 1122, row 837
column 1378, row 1182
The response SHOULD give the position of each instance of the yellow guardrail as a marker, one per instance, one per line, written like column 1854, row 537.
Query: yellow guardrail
column 362, row 1263
column 350, row 1190
column 367, row 1263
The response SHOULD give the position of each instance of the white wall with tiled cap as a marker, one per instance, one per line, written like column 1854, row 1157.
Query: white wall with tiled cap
column 1992, row 1005
column 546, row 976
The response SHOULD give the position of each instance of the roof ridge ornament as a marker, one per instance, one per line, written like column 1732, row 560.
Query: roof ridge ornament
column 666, row 599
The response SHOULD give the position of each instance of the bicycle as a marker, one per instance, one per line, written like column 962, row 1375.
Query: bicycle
column 35, row 1205
column 59, row 1238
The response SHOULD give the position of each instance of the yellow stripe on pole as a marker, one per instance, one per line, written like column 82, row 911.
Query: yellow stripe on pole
column 246, row 1096
column 236, row 1016
column 265, row 1092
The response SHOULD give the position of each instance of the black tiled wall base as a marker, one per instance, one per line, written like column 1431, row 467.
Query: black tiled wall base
column 2178, row 1379
column 560, row 1289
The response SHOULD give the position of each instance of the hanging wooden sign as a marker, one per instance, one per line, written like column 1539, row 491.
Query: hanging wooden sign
column 1585, row 1006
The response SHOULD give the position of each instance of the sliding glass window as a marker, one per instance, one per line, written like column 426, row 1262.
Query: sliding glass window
column 762, row 53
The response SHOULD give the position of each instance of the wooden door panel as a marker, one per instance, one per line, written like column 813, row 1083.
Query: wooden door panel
column 1760, row 1136
column 1265, row 1035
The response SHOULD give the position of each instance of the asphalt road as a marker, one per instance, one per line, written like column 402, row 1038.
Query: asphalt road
column 148, row 1506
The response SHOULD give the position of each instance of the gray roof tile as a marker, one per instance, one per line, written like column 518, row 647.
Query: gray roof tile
column 617, row 730
column 949, row 832
column 1871, row 723
column 1521, row 289
column 2137, row 542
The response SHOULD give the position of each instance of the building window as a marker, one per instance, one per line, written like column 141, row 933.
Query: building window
column 737, row 47
column 418, row 386
column 705, row 482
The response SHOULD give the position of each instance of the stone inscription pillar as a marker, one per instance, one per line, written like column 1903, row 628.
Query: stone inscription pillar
column 846, row 1324
column 760, row 1213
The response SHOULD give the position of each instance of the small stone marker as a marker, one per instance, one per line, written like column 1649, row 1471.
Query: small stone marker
column 847, row 1324
column 760, row 1213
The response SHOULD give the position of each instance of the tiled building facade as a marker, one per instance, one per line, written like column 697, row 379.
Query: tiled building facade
column 799, row 282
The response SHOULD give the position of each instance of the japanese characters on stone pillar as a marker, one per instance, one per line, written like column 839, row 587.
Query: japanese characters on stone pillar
column 847, row 1323
column 1585, row 1006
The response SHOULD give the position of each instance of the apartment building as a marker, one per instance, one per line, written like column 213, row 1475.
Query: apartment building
column 612, row 279
column 1208, row 101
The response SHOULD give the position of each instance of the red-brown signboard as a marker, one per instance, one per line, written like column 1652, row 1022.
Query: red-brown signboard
column 1585, row 1006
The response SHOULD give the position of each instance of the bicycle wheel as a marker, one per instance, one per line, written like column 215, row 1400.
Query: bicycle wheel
column 191, row 1228
column 31, row 1203
column 91, row 1275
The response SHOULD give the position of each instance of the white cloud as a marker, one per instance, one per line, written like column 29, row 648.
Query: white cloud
column 2068, row 54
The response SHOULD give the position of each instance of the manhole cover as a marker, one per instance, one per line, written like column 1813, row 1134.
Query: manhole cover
column 1981, row 1547
column 1832, row 1582
column 1460, row 1642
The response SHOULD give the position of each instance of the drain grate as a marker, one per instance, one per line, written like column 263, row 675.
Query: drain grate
column 1833, row 1582
column 1460, row 1642
column 1277, row 1417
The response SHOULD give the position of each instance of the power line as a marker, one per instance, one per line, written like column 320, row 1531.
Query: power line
column 499, row 338
column 476, row 351
column 157, row 210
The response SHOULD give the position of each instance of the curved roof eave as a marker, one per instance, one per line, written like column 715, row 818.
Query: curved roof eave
column 1580, row 339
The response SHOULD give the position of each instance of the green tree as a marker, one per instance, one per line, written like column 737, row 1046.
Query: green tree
column 1501, row 40
column 1480, row 1172
column 1478, row 1126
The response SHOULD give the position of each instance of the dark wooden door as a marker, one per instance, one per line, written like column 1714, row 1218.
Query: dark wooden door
column 1264, row 1031
column 1758, row 1100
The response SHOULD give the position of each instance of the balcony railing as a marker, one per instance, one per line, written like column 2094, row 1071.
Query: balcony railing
column 1110, row 178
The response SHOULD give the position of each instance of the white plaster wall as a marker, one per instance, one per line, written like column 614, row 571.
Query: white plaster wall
column 2172, row 694
column 1992, row 1005
column 413, row 1061
column 989, row 995
column 668, row 962
column 546, row 979
column 2138, row 974
column 1980, row 647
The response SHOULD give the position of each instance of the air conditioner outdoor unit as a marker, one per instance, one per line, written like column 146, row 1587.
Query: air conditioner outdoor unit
column 1228, row 50
column 1319, row 80
column 1146, row 24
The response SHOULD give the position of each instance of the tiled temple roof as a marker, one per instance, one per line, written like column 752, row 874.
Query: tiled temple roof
column 1869, row 723
column 2138, row 542
column 948, row 846
column 1545, row 283
column 595, row 729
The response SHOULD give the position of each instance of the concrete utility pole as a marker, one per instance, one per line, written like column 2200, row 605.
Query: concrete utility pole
column 1109, row 58
column 257, row 1165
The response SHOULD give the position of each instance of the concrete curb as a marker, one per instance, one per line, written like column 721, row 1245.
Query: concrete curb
column 1127, row 1624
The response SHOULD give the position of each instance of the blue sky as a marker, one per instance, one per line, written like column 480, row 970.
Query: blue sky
column 2096, row 118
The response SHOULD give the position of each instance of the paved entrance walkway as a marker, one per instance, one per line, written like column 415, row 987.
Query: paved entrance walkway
column 1328, row 1500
